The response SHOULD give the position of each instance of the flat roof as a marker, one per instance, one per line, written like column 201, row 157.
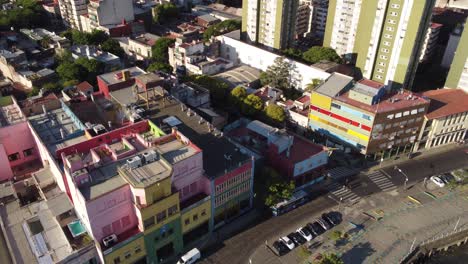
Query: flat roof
column 175, row 151
column 48, row 126
column 111, row 77
column 445, row 102
column 334, row 84
column 106, row 179
column 147, row 174
column 389, row 102
column 242, row 75
column 215, row 146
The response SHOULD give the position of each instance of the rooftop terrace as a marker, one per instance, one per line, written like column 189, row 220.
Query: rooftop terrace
column 116, row 76
column 10, row 113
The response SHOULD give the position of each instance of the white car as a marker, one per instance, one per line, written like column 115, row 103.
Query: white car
column 288, row 242
column 438, row 181
column 305, row 234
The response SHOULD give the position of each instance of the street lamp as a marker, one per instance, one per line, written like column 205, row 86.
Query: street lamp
column 404, row 174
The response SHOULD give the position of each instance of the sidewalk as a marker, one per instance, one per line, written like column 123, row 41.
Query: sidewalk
column 376, row 165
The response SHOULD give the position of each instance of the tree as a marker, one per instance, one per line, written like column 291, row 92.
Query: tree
column 113, row 46
column 317, row 53
column 159, row 66
column 275, row 113
column 277, row 75
column 70, row 83
column 97, row 37
column 330, row 259
column 237, row 96
column 219, row 90
column 70, row 71
column 92, row 67
column 160, row 50
column 26, row 14
column 313, row 84
column 336, row 235
column 252, row 104
column 293, row 53
column 45, row 42
column 52, row 87
column 165, row 12
column 80, row 38
column 221, row 28
column 33, row 92
column 279, row 191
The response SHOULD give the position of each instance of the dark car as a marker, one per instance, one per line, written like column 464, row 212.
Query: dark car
column 334, row 218
column 296, row 238
column 316, row 228
column 280, row 248
column 324, row 224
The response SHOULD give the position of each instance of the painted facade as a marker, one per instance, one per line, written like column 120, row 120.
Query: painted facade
column 458, row 73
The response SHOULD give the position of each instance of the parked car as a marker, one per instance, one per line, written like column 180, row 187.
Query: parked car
column 316, row 228
column 334, row 218
column 324, row 224
column 437, row 180
column 280, row 248
column 288, row 242
column 296, row 238
column 190, row 257
column 305, row 233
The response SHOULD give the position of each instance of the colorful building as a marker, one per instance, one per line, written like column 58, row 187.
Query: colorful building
column 366, row 116
column 142, row 190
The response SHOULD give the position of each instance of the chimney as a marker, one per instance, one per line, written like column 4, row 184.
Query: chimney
column 125, row 75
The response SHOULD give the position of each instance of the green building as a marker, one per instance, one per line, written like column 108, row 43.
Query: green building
column 269, row 22
column 384, row 38
column 458, row 73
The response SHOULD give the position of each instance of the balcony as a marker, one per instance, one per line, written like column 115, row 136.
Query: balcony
column 194, row 201
column 122, row 240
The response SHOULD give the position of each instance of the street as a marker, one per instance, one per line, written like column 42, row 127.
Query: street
column 251, row 242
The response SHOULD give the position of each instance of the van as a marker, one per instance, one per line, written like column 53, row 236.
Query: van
column 190, row 257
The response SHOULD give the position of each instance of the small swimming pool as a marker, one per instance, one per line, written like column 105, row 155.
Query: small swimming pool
column 76, row 228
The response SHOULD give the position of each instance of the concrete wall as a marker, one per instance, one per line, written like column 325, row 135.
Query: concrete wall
column 112, row 12
column 310, row 163
column 240, row 52
column 5, row 170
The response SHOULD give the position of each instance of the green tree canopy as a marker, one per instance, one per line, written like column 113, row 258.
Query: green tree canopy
column 160, row 50
column 317, row 53
column 293, row 53
column 237, row 96
column 92, row 67
column 159, row 66
column 219, row 90
column 278, row 74
column 97, row 37
column 221, row 28
column 113, row 46
column 313, row 84
column 71, row 71
column 80, row 38
column 275, row 113
column 252, row 105
column 26, row 14
column 52, row 87
column 165, row 12
column 330, row 259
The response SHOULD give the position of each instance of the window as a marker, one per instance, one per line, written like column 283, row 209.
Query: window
column 195, row 217
column 28, row 152
column 388, row 36
column 125, row 221
column 137, row 249
column 172, row 210
column 383, row 57
column 117, row 260
column 382, row 63
column 161, row 216
column 393, row 13
column 395, row 6
column 170, row 231
column 127, row 255
column 367, row 117
column 398, row 115
column 406, row 113
column 390, row 116
column 380, row 70
column 107, row 230
column 187, row 221
column 337, row 106
column 391, row 29
column 414, row 111
column 203, row 212
column 148, row 222
column 420, row 110
column 14, row 156
column 391, row 21
column 384, row 50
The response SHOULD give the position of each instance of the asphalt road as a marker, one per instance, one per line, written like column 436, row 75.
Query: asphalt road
column 240, row 247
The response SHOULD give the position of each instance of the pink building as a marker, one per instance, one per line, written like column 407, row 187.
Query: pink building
column 18, row 149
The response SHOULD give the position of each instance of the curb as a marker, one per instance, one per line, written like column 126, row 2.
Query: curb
column 414, row 199
column 430, row 195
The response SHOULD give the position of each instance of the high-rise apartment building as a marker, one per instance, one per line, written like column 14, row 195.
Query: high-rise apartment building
column 458, row 73
column 71, row 11
column 383, row 37
column 269, row 22
column 107, row 14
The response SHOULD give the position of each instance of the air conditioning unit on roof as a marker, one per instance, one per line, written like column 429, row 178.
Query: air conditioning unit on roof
column 134, row 162
column 150, row 156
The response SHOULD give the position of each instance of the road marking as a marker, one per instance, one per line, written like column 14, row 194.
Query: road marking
column 381, row 180
column 341, row 192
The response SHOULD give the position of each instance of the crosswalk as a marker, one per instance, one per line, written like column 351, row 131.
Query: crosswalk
column 381, row 180
column 342, row 193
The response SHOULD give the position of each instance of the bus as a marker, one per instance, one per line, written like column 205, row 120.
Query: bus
column 297, row 199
